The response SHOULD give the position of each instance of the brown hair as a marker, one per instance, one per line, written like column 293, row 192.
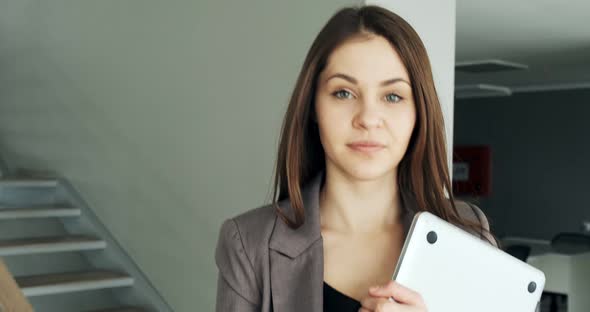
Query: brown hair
column 422, row 173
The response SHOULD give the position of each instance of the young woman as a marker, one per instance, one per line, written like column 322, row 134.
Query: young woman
column 362, row 149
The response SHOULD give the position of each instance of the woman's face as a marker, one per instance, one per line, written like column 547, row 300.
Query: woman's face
column 365, row 108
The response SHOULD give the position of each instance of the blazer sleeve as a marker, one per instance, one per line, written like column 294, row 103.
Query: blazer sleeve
column 484, row 223
column 472, row 212
column 236, row 281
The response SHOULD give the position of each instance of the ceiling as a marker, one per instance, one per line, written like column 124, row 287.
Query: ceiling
column 551, row 37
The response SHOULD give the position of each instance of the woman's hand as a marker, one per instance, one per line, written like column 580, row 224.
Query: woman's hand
column 406, row 300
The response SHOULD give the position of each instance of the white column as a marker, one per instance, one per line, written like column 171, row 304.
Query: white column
column 435, row 23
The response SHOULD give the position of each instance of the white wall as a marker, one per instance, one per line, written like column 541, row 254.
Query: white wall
column 567, row 275
column 557, row 269
column 435, row 23
column 165, row 115
column 580, row 285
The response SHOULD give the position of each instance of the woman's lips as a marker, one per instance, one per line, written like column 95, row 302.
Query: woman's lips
column 368, row 147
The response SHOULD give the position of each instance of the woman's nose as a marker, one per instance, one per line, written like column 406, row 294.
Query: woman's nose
column 368, row 116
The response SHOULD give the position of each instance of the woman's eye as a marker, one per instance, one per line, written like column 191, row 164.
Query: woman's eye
column 394, row 98
column 342, row 94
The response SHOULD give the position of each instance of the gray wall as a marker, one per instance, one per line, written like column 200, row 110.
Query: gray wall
column 541, row 151
column 165, row 115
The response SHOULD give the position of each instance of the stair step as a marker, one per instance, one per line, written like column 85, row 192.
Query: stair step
column 28, row 182
column 27, row 246
column 38, row 212
column 121, row 309
column 57, row 283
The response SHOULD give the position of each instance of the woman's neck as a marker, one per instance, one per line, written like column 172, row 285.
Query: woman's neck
column 359, row 207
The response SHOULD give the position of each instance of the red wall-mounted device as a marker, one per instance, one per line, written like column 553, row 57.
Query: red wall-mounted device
column 472, row 171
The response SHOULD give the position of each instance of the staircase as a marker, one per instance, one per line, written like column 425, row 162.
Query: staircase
column 61, row 257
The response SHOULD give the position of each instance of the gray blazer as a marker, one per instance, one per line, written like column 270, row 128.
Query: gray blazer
column 266, row 266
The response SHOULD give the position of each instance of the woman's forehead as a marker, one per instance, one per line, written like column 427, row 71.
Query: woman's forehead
column 369, row 60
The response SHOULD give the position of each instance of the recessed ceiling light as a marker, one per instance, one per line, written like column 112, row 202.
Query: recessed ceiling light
column 488, row 66
column 481, row 90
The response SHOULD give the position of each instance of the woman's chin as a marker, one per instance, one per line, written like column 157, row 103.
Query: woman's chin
column 368, row 171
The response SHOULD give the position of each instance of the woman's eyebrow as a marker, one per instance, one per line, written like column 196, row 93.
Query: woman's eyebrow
column 354, row 81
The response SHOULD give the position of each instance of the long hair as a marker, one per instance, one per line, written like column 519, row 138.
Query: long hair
column 422, row 173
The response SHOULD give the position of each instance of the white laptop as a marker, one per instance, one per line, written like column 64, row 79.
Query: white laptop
column 455, row 271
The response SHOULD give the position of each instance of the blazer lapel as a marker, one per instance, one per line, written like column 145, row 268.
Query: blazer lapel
column 297, row 256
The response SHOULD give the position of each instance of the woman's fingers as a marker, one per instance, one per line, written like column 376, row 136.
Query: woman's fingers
column 399, row 292
column 370, row 304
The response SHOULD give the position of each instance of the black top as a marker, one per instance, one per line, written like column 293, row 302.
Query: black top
column 335, row 301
